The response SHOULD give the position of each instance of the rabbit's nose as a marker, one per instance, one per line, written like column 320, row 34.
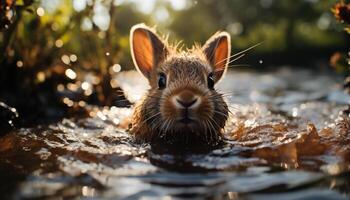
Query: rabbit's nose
column 186, row 104
column 186, row 99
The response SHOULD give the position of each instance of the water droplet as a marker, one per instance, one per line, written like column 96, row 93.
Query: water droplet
column 43, row 153
column 44, row 156
column 26, row 148
column 295, row 112
column 88, row 191
column 101, row 115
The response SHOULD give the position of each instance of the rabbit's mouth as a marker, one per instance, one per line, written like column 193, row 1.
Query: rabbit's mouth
column 186, row 116
column 186, row 120
column 186, row 124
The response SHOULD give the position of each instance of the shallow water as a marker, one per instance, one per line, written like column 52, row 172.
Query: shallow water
column 287, row 139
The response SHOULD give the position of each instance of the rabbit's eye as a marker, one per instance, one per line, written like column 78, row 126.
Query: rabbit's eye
column 162, row 81
column 211, row 81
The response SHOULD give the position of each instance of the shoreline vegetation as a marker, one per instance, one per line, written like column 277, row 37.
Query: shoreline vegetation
column 52, row 66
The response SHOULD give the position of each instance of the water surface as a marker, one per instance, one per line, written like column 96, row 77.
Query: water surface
column 287, row 139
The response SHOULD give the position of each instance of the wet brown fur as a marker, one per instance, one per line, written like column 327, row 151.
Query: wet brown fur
column 185, row 70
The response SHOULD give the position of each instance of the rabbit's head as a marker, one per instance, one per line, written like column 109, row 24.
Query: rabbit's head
column 182, row 103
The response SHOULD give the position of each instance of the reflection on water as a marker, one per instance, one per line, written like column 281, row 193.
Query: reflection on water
column 287, row 139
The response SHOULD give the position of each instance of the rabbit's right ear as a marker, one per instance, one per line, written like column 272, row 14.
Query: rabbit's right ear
column 147, row 49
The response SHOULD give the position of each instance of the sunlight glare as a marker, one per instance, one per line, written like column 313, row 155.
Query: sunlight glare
column 58, row 43
column 324, row 21
column 60, row 87
column 65, row 59
column 114, row 69
column 73, row 57
column 41, row 76
column 86, row 24
column 40, row 11
column 79, row 5
column 71, row 74
column 235, row 28
column 148, row 6
column 19, row 64
column 161, row 14
column 101, row 16
column 85, row 85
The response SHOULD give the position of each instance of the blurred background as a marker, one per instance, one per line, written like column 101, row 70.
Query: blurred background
column 57, row 56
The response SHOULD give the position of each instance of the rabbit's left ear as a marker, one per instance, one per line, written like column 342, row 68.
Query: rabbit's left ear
column 147, row 49
column 217, row 49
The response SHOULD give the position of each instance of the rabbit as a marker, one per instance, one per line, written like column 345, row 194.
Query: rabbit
column 182, row 105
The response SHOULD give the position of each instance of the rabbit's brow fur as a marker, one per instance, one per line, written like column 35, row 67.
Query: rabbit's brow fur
column 154, row 115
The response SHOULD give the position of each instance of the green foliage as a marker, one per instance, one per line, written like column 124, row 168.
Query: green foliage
column 283, row 25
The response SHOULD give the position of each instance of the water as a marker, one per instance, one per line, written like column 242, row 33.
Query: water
column 287, row 139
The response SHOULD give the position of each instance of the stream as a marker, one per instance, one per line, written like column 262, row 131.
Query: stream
column 287, row 138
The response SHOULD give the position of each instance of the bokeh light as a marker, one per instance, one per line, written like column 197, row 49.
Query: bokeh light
column 71, row 74
column 40, row 11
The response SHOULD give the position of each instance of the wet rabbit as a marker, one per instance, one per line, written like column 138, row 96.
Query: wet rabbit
column 182, row 104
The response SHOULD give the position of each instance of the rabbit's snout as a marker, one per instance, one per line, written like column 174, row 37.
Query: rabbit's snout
column 186, row 100
column 186, row 103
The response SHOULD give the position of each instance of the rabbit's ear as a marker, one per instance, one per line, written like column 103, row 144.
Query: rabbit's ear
column 217, row 49
column 147, row 49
